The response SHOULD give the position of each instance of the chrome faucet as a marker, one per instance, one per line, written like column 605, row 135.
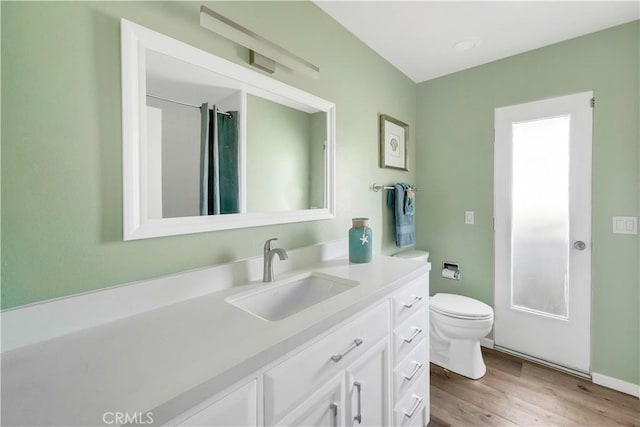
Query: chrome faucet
column 269, row 253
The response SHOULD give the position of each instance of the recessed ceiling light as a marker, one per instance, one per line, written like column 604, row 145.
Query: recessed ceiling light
column 465, row 45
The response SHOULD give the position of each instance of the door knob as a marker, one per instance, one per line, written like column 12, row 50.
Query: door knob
column 579, row 245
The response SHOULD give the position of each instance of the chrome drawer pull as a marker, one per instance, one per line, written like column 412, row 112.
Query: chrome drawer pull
column 415, row 406
column 358, row 417
column 414, row 372
column 415, row 300
column 337, row 357
column 415, row 334
column 334, row 418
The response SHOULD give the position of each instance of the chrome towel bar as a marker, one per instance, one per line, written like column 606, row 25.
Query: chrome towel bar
column 377, row 187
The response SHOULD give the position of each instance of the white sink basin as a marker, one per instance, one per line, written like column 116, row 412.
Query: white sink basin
column 281, row 299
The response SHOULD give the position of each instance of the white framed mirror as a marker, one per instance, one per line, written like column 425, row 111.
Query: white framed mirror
column 211, row 145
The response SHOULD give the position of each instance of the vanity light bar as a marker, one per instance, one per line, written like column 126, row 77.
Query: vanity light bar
column 228, row 29
column 262, row 62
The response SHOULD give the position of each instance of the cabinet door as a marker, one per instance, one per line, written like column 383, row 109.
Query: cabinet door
column 239, row 408
column 368, row 388
column 323, row 409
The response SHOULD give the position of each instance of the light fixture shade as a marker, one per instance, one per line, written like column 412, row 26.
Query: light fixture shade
column 228, row 29
column 262, row 62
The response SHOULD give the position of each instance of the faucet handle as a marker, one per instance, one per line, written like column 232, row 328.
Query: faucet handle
column 267, row 244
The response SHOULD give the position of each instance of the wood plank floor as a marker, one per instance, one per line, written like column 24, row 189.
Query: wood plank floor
column 515, row 392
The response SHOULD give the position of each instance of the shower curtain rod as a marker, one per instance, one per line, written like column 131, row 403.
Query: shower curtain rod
column 182, row 103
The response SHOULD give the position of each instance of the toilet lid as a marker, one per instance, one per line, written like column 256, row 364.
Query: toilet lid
column 460, row 307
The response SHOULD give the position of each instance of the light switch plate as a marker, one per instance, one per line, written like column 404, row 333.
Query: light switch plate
column 469, row 217
column 625, row 225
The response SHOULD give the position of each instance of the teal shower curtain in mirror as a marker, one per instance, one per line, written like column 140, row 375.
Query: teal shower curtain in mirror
column 228, row 159
column 219, row 183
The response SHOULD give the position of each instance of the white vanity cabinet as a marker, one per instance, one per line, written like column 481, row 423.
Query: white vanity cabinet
column 358, row 358
column 371, row 370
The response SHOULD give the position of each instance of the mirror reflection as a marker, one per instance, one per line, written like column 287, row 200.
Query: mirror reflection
column 285, row 157
column 214, row 149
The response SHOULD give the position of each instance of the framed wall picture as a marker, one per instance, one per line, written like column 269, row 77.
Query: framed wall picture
column 394, row 139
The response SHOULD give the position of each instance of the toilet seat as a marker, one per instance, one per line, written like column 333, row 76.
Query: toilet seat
column 460, row 307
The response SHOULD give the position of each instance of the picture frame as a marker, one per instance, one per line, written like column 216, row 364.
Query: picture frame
column 394, row 143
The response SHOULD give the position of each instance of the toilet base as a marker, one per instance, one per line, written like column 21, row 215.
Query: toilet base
column 460, row 356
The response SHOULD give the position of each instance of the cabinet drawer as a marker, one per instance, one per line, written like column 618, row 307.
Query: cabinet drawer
column 409, row 334
column 410, row 369
column 411, row 406
column 410, row 299
column 291, row 381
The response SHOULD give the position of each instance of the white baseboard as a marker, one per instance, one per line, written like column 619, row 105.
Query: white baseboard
column 486, row 342
column 616, row 384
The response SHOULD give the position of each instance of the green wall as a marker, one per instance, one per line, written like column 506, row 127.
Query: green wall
column 278, row 156
column 61, row 139
column 455, row 154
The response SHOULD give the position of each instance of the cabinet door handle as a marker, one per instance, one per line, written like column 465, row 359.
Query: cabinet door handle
column 415, row 406
column 415, row 300
column 414, row 372
column 337, row 357
column 334, row 417
column 415, row 334
column 358, row 387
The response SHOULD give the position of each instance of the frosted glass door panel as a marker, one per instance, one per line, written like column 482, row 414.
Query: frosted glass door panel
column 540, row 216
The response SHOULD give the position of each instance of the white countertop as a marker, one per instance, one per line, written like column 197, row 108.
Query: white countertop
column 169, row 359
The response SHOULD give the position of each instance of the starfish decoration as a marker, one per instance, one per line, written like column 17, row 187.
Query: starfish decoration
column 364, row 239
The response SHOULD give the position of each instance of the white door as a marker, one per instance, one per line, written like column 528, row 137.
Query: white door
column 367, row 384
column 542, row 221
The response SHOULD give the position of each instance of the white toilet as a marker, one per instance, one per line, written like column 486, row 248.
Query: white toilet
column 457, row 323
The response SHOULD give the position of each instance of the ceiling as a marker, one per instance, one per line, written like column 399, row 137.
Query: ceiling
column 418, row 37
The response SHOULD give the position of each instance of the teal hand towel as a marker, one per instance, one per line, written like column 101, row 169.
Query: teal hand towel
column 404, row 223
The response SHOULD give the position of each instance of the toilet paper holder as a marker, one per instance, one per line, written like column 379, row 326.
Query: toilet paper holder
column 451, row 270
